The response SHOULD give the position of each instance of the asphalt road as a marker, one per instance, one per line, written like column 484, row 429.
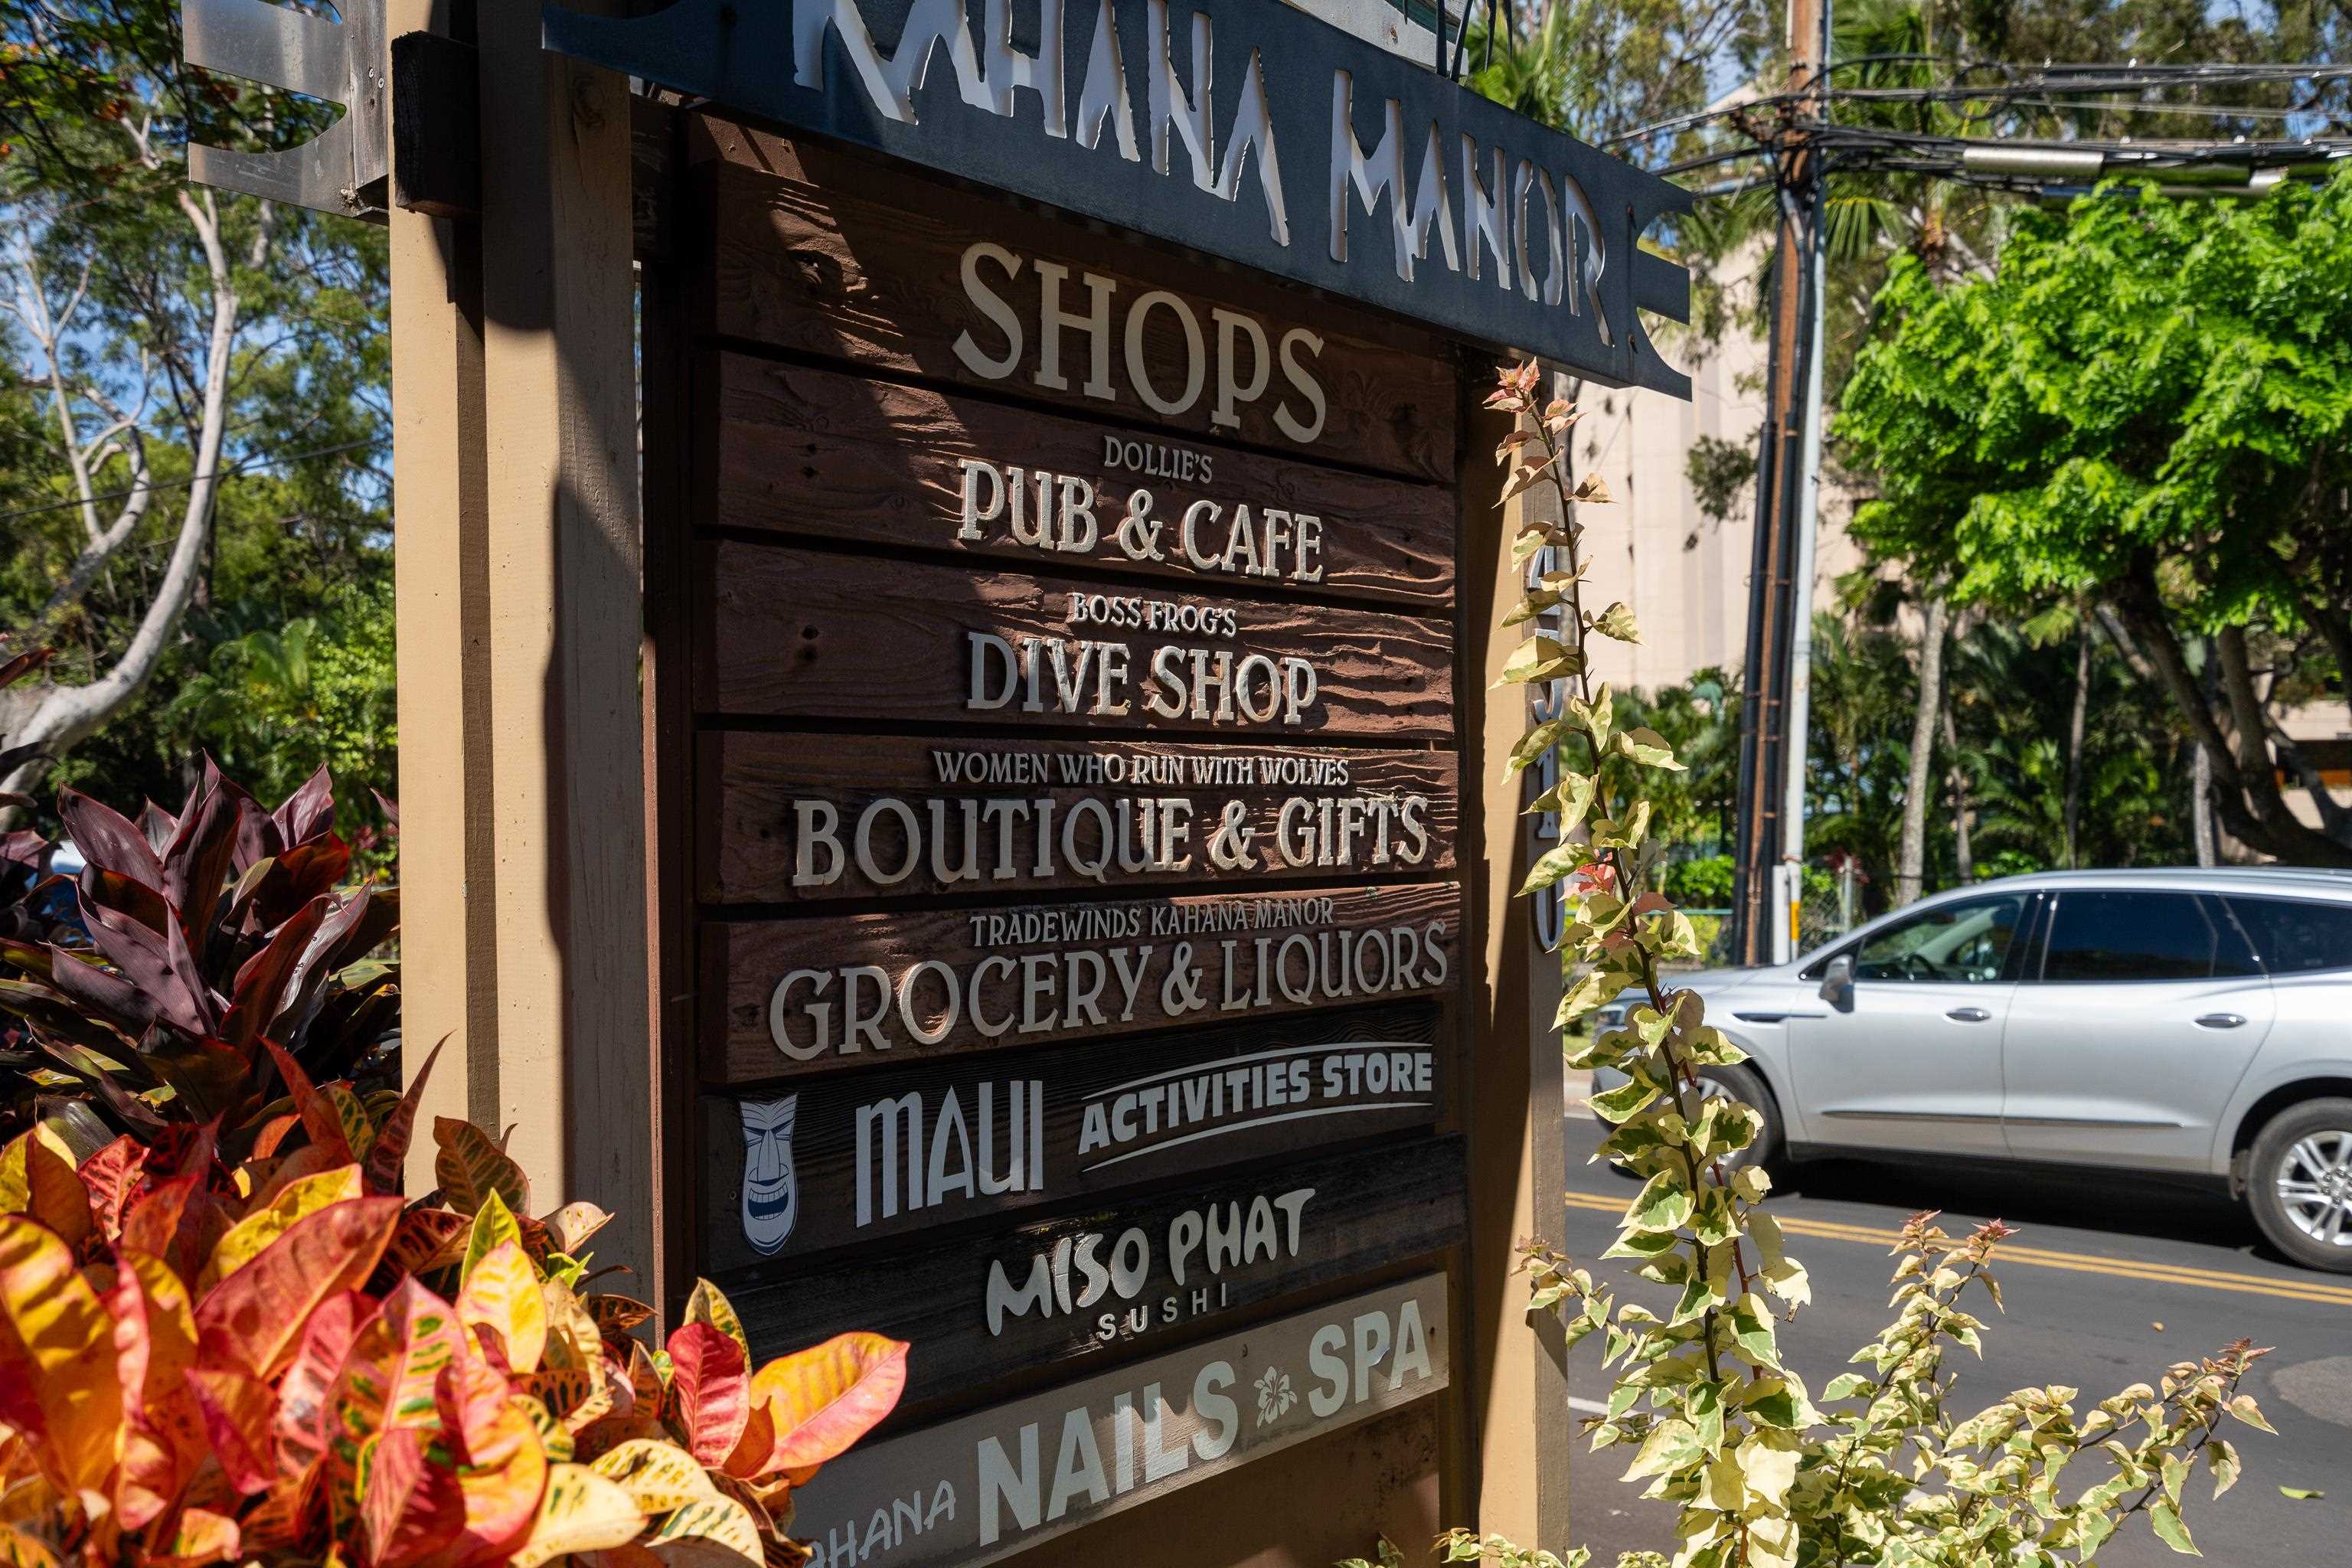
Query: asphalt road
column 2109, row 1282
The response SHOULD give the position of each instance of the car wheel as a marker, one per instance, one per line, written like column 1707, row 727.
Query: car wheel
column 1743, row 1085
column 2299, row 1182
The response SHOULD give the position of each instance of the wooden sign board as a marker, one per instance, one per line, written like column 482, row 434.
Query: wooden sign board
column 976, row 1489
column 1120, row 1278
column 861, row 1156
column 806, row 995
column 864, row 816
column 823, row 455
column 1060, row 691
column 806, row 634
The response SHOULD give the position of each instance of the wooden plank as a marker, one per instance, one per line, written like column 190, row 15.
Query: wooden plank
column 1224, row 814
column 819, row 453
column 1122, row 1279
column 802, row 634
column 822, row 252
column 881, row 1152
column 939, row 982
column 976, row 1489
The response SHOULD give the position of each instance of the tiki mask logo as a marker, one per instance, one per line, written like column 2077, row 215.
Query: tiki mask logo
column 771, row 1193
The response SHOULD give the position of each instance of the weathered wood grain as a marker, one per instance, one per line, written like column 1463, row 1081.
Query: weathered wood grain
column 821, row 252
column 1363, row 1210
column 821, row 454
column 801, row 634
column 757, row 785
column 904, row 1149
column 983, row 1487
column 778, row 993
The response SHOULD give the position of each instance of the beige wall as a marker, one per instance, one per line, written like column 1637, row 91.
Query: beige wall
column 1684, row 574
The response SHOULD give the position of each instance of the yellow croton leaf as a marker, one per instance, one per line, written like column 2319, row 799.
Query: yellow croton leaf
column 659, row 1475
column 245, row 1240
column 38, row 1178
column 503, row 1294
column 56, row 1332
column 579, row 1511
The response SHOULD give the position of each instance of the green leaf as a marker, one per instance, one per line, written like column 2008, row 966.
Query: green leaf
column 2301, row 1494
column 1617, row 621
column 2170, row 1529
column 1534, row 744
column 1649, row 748
column 1553, row 864
column 493, row 1222
column 1627, row 1099
column 2222, row 1460
column 1539, row 658
column 1665, row 1203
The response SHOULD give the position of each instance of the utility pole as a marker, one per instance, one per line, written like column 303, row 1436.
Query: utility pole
column 1769, row 828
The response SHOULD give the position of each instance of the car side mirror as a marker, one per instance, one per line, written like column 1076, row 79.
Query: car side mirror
column 1837, row 983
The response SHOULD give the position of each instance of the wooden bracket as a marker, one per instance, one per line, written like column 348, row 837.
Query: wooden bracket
column 436, row 132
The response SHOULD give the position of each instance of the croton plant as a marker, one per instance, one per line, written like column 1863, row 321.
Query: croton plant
column 226, row 1337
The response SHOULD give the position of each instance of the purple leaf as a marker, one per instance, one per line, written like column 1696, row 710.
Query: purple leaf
column 108, row 838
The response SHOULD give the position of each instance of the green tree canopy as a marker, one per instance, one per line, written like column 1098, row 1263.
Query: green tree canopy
column 2148, row 410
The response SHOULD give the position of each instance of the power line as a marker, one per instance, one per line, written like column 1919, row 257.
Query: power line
column 268, row 460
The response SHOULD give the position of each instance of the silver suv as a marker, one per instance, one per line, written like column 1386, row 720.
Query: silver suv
column 2188, row 1021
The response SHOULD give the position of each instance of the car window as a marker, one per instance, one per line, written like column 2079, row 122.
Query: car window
column 2295, row 936
column 2101, row 935
column 1966, row 941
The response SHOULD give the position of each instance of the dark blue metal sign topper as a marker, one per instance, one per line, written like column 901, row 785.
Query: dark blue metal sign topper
column 1241, row 128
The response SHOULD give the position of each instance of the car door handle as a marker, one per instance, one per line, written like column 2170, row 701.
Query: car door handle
column 2221, row 1020
column 1968, row 1014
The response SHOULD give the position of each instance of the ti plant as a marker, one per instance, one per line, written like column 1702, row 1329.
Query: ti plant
column 201, row 936
column 1872, row 1471
column 277, row 1362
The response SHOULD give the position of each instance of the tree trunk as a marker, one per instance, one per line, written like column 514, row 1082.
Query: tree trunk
column 65, row 715
column 1964, row 863
column 2245, row 796
column 2200, row 805
column 2074, row 744
column 1910, row 871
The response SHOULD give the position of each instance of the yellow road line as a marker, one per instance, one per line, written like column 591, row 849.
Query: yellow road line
column 2043, row 1257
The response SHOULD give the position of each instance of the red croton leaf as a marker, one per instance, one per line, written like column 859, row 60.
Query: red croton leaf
column 112, row 1177
column 412, row 1507
column 253, row 1320
column 237, row 1422
column 305, row 1419
column 710, row 1387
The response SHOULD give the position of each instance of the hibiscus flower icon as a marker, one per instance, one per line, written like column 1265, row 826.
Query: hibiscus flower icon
column 1274, row 1395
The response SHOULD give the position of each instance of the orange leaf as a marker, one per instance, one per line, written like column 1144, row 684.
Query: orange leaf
column 502, row 1296
column 391, row 1145
column 19, row 1549
column 388, row 1379
column 321, row 1119
column 265, row 1224
column 410, row 1508
column 154, row 1345
column 470, row 1166
column 508, row 1471
column 236, row 1411
column 711, row 1388
column 427, row 1239
column 750, row 1452
column 253, row 1319
column 57, row 1338
column 827, row 1397
column 38, row 1178
column 112, row 1176
column 202, row 1537
column 304, row 1422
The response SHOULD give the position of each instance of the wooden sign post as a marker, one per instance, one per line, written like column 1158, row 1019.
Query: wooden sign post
column 1047, row 897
